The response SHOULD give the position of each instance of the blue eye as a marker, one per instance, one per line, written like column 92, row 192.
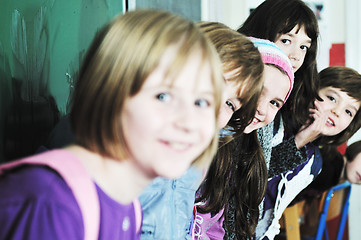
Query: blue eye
column 164, row 97
column 203, row 103
column 231, row 105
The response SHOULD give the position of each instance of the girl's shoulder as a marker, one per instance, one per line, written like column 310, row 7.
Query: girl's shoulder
column 33, row 181
column 35, row 197
column 33, row 178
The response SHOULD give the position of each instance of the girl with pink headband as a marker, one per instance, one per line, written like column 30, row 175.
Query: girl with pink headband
column 239, row 167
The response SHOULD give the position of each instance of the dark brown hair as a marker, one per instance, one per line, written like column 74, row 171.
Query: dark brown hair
column 352, row 151
column 238, row 174
column 268, row 21
column 349, row 81
column 236, row 181
column 237, row 53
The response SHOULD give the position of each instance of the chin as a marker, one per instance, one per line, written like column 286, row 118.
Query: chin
column 248, row 130
column 171, row 174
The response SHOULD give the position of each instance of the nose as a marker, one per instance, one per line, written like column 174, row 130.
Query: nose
column 186, row 117
column 262, row 108
column 294, row 55
column 336, row 110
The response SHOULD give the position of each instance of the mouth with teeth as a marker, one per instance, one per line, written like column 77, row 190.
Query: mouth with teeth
column 255, row 121
column 330, row 122
column 178, row 146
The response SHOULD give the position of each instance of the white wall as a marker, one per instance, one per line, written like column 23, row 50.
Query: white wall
column 353, row 52
column 337, row 21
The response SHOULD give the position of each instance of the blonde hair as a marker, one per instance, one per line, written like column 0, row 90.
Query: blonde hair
column 238, row 53
column 118, row 63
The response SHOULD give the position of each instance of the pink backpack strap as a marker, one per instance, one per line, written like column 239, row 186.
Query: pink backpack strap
column 77, row 178
column 138, row 214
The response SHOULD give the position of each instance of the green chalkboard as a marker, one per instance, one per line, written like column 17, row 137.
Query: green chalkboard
column 190, row 9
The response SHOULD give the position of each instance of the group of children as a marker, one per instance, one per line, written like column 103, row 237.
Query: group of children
column 215, row 131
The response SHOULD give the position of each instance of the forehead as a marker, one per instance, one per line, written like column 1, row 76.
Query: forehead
column 274, row 77
column 276, row 82
column 297, row 32
column 345, row 97
column 301, row 33
column 186, row 71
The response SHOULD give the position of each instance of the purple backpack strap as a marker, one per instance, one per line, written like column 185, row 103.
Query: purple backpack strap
column 77, row 178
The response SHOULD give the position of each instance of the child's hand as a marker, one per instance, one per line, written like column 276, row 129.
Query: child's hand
column 311, row 131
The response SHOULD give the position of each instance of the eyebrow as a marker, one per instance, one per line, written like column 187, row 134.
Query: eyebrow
column 334, row 92
column 338, row 95
column 293, row 35
column 354, row 107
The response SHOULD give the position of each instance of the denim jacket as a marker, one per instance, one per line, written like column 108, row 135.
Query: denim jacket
column 168, row 206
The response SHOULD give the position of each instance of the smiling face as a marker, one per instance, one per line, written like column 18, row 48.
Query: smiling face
column 170, row 122
column 295, row 45
column 275, row 89
column 340, row 108
column 353, row 170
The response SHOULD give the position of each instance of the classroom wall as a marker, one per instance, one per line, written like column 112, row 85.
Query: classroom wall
column 353, row 53
column 42, row 43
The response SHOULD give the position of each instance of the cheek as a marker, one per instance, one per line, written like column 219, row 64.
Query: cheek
column 207, row 126
column 345, row 124
column 135, row 126
column 303, row 57
column 224, row 116
column 350, row 173
column 282, row 47
column 324, row 105
column 270, row 115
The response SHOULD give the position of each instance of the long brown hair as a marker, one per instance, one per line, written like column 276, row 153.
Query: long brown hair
column 268, row 21
column 240, row 56
column 236, row 181
column 237, row 175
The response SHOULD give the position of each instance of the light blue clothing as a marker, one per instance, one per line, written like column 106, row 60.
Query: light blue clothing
column 226, row 131
column 168, row 206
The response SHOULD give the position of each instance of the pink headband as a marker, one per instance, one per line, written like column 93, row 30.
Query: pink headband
column 272, row 54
